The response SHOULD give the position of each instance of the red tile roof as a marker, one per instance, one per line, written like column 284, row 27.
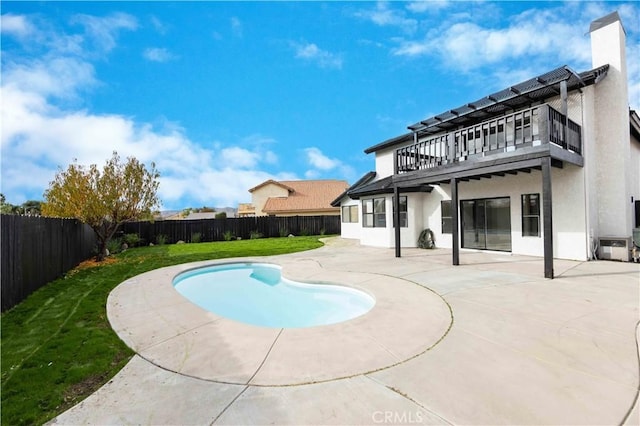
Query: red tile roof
column 306, row 195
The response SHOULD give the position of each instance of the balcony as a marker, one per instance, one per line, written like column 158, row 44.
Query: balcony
column 538, row 126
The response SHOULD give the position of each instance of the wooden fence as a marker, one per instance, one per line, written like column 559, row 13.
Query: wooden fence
column 221, row 229
column 37, row 250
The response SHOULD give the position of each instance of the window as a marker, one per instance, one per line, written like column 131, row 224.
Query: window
column 530, row 215
column 373, row 213
column 445, row 208
column 403, row 212
column 349, row 214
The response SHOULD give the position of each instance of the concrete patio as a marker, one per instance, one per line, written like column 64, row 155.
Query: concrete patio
column 487, row 342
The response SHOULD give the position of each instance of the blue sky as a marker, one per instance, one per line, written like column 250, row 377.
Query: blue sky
column 224, row 95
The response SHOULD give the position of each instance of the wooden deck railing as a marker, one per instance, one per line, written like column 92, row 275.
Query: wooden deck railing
column 533, row 126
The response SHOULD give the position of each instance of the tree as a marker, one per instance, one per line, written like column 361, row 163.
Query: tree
column 32, row 207
column 122, row 192
column 5, row 207
column 221, row 215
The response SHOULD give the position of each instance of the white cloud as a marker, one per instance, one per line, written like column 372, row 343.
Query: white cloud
column 317, row 159
column 428, row 5
column 236, row 27
column 39, row 134
column 37, row 137
column 158, row 54
column 240, row 157
column 16, row 25
column 270, row 157
column 59, row 76
column 535, row 40
column 321, row 165
column 104, row 30
column 468, row 46
column 633, row 75
column 311, row 52
column 384, row 16
column 160, row 26
column 312, row 174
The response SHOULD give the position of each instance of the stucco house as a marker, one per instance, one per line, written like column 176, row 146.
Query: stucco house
column 293, row 198
column 547, row 167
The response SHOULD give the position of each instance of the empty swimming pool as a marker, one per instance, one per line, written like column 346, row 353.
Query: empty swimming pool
column 256, row 293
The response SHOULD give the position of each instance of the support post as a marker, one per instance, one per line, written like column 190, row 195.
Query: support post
column 547, row 225
column 396, row 217
column 455, row 235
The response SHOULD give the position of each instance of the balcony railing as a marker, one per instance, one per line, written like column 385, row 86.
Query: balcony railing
column 533, row 126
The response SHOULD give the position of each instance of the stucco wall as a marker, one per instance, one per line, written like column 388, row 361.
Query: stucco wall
column 589, row 202
column 351, row 230
column 568, row 213
column 612, row 132
column 259, row 196
column 384, row 163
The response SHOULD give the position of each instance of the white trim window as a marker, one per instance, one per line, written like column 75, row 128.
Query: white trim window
column 530, row 215
column 374, row 213
column 447, row 220
column 404, row 222
column 350, row 214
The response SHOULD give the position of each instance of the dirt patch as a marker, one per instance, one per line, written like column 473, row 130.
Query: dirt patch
column 92, row 263
column 79, row 391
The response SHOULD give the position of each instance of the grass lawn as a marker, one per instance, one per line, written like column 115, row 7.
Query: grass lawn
column 58, row 346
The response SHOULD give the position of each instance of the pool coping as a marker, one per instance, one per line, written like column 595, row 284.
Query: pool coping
column 168, row 330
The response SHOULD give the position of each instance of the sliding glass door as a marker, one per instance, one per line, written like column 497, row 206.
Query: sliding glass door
column 486, row 224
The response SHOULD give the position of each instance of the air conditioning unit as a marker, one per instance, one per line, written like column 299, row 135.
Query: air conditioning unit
column 614, row 248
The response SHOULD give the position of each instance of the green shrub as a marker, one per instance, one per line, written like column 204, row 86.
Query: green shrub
column 283, row 232
column 221, row 215
column 255, row 235
column 228, row 236
column 114, row 245
column 161, row 239
column 196, row 237
column 132, row 240
column 323, row 231
column 304, row 232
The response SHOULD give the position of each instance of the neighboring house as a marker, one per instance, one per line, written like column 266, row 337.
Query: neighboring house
column 548, row 167
column 294, row 198
column 246, row 210
column 179, row 215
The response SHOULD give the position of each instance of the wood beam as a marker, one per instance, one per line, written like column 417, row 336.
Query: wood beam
column 455, row 235
column 547, row 217
column 396, row 217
